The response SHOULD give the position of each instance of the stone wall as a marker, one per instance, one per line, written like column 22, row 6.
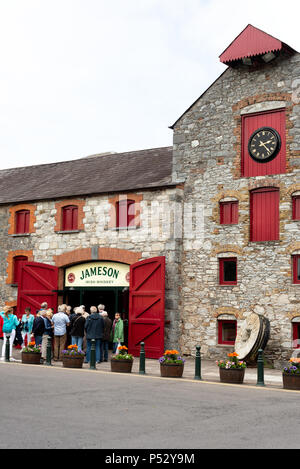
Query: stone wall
column 206, row 155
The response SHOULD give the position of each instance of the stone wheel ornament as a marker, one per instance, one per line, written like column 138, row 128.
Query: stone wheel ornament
column 251, row 336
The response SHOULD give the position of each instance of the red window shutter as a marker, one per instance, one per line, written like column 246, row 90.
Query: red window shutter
column 296, row 335
column 296, row 207
column 296, row 269
column 125, row 213
column 264, row 216
column 226, row 332
column 70, row 218
column 22, row 221
column 17, row 267
column 228, row 213
column 250, row 123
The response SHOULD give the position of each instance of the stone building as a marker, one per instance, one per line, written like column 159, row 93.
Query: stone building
column 186, row 241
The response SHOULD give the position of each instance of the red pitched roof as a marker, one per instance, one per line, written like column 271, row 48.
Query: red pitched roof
column 250, row 42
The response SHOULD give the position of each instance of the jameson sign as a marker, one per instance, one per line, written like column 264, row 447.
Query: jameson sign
column 97, row 274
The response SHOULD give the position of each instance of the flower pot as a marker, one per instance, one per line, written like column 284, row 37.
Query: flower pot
column 232, row 375
column 171, row 370
column 31, row 358
column 72, row 362
column 121, row 366
column 291, row 381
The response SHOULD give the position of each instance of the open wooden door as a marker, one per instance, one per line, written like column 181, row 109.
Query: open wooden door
column 37, row 283
column 147, row 307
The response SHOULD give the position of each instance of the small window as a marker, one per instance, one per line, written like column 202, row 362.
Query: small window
column 70, row 218
column 17, row 267
column 296, row 334
column 125, row 213
column 228, row 271
column 229, row 213
column 226, row 332
column 296, row 269
column 22, row 221
column 296, row 207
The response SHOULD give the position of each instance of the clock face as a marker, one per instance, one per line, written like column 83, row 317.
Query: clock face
column 264, row 144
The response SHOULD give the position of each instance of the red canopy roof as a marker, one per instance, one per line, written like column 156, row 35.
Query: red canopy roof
column 250, row 42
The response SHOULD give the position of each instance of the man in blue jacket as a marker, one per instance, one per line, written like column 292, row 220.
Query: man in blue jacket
column 94, row 327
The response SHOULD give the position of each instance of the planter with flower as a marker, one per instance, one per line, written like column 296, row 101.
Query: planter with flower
column 72, row 357
column 291, row 375
column 122, row 361
column 171, row 364
column 31, row 354
column 232, row 370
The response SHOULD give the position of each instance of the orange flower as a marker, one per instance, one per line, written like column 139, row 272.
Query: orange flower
column 171, row 352
column 31, row 344
column 233, row 354
column 71, row 347
column 122, row 347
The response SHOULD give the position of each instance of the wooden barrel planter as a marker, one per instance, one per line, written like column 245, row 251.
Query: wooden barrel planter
column 31, row 358
column 291, row 381
column 72, row 362
column 232, row 375
column 171, row 370
column 121, row 366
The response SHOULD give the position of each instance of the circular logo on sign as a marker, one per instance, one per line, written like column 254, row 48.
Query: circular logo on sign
column 71, row 277
column 127, row 277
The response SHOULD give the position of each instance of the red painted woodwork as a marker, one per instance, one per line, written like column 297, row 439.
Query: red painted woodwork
column 226, row 332
column 296, row 269
column 264, row 214
column 17, row 262
column 147, row 307
column 296, row 335
column 249, row 43
column 125, row 213
column 22, row 221
column 252, row 122
column 37, row 283
column 229, row 213
column 70, row 218
column 224, row 272
column 296, row 207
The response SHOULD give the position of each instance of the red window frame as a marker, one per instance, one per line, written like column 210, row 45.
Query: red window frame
column 16, row 268
column 296, row 334
column 221, row 323
column 22, row 221
column 229, row 213
column 70, row 218
column 222, row 280
column 296, row 207
column 264, row 214
column 125, row 213
column 296, row 269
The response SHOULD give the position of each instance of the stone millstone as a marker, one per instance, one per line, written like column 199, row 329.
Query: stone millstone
column 252, row 335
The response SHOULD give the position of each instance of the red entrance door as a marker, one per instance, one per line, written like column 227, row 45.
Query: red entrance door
column 36, row 284
column 147, row 307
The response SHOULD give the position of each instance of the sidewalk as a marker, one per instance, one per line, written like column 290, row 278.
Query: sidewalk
column 209, row 370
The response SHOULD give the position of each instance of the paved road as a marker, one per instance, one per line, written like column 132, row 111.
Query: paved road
column 59, row 408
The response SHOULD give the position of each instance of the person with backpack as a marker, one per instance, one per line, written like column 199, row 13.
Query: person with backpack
column 94, row 327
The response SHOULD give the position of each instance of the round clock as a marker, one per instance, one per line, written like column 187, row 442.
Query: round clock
column 264, row 144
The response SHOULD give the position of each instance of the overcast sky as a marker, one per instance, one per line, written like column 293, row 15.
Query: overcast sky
column 80, row 77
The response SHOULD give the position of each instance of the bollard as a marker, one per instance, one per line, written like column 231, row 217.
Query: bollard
column 142, row 359
column 49, row 351
column 7, row 348
column 198, row 363
column 93, row 355
column 260, row 369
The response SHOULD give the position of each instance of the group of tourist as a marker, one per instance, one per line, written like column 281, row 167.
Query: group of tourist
column 65, row 327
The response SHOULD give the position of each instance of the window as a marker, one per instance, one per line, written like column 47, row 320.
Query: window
column 22, row 221
column 229, row 213
column 296, row 207
column 125, row 213
column 17, row 260
column 228, row 271
column 70, row 218
column 226, row 332
column 296, row 269
column 264, row 214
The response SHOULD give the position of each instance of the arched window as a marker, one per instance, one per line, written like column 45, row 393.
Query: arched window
column 264, row 214
column 22, row 221
column 17, row 260
column 125, row 213
column 70, row 218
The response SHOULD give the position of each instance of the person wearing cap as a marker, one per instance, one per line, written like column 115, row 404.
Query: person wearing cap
column 10, row 322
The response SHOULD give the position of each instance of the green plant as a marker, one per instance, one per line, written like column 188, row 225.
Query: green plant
column 123, row 354
column 293, row 368
column 233, row 364
column 31, row 348
column 72, row 351
column 171, row 356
